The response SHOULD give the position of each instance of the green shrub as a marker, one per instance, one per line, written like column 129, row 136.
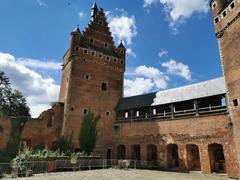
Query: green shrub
column 88, row 133
column 64, row 144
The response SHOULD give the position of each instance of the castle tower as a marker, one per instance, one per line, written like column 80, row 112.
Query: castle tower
column 92, row 79
column 226, row 16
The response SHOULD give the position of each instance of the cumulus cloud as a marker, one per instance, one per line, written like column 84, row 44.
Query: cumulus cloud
column 131, row 53
column 41, row 3
column 163, row 53
column 146, row 79
column 179, row 10
column 39, row 91
column 34, row 63
column 159, row 79
column 123, row 27
column 177, row 68
column 137, row 86
column 81, row 14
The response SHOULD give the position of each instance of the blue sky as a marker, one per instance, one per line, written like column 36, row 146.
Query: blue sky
column 170, row 43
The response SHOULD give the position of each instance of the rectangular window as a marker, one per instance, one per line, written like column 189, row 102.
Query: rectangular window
column 126, row 114
column 104, row 87
column 137, row 113
column 235, row 102
column 154, row 111
column 85, row 111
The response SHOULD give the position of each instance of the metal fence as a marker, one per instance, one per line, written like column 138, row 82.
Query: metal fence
column 35, row 167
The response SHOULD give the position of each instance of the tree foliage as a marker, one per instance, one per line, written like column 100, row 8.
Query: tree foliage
column 12, row 105
column 88, row 133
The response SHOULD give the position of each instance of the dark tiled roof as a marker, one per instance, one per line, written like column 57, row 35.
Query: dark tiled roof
column 136, row 102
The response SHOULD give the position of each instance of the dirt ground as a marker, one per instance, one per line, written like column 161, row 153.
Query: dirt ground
column 115, row 174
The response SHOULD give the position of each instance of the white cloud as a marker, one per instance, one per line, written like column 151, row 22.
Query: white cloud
column 39, row 91
column 81, row 14
column 33, row 63
column 131, row 53
column 145, row 80
column 179, row 10
column 41, row 3
column 123, row 27
column 159, row 79
column 149, row 2
column 137, row 86
column 177, row 68
column 163, row 53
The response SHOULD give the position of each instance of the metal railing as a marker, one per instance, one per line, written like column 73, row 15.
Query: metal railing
column 36, row 167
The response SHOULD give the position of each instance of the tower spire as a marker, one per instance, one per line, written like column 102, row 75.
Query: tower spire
column 94, row 9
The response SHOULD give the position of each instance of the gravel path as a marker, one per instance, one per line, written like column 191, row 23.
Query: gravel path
column 115, row 174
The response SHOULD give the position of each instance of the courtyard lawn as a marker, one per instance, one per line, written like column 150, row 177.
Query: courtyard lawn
column 115, row 174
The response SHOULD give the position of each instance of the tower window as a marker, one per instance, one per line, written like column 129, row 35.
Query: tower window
column 78, row 37
column 108, row 57
column 126, row 114
column 115, row 60
column 85, row 51
column 235, row 102
column 77, row 48
column 216, row 20
column 104, row 86
column 107, row 113
column 93, row 53
column 85, row 111
column 224, row 13
column 92, row 41
column 87, row 76
column 106, row 45
column 122, row 61
column 100, row 55
column 232, row 5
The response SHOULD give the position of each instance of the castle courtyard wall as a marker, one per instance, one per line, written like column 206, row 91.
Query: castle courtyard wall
column 200, row 131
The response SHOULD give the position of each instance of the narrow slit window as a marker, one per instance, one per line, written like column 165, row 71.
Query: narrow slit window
column 85, row 111
column 104, row 87
column 235, row 102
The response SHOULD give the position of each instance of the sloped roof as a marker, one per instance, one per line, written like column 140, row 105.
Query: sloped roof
column 194, row 91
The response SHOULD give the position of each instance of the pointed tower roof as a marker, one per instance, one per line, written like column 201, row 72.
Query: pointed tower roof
column 95, row 6
column 76, row 30
column 121, row 45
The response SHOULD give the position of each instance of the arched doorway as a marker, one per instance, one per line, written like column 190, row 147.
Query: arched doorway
column 152, row 152
column 135, row 149
column 193, row 157
column 173, row 158
column 217, row 159
column 121, row 152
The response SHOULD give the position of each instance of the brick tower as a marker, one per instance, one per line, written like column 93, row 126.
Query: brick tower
column 226, row 14
column 92, row 79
